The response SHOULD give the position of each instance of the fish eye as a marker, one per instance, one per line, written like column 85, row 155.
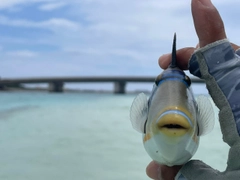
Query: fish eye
column 187, row 80
column 159, row 77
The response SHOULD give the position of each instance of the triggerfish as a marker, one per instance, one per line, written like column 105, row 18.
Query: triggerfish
column 171, row 119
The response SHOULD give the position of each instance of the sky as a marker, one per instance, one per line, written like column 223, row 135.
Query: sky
column 46, row 38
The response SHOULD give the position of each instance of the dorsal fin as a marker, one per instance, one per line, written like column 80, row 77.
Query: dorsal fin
column 174, row 54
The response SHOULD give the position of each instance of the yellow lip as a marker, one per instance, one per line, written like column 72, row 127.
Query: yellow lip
column 173, row 125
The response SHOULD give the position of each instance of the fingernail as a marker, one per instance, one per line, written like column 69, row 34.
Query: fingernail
column 207, row 3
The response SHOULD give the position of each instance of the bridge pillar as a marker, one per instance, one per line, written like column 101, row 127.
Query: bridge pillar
column 119, row 87
column 56, row 87
column 2, row 87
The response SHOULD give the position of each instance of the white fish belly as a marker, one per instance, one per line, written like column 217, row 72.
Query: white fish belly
column 168, row 152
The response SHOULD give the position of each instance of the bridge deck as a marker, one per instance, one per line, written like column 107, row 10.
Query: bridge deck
column 56, row 84
column 5, row 81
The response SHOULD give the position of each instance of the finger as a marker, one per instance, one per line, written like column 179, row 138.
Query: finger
column 207, row 21
column 162, row 172
column 183, row 56
column 153, row 170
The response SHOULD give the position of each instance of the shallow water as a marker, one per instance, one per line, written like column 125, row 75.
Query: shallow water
column 79, row 136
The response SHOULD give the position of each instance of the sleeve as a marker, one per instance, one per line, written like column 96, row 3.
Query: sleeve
column 219, row 66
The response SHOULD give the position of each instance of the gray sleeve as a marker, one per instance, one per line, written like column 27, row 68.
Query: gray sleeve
column 219, row 66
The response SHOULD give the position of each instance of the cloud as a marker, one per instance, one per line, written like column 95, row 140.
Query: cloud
column 52, row 6
column 106, row 52
column 59, row 23
column 6, row 4
column 10, row 3
column 96, row 37
column 47, row 24
column 21, row 54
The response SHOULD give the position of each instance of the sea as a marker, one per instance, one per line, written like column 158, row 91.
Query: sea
column 79, row 136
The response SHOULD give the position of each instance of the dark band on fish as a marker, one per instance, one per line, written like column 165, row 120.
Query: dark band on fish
column 174, row 75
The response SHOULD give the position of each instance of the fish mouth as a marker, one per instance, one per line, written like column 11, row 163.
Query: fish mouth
column 174, row 123
column 173, row 126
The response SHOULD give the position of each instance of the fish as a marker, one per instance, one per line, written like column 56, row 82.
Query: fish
column 172, row 119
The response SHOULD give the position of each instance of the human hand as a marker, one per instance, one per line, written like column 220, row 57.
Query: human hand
column 209, row 28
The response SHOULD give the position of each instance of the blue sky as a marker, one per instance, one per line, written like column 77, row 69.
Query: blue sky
column 97, row 37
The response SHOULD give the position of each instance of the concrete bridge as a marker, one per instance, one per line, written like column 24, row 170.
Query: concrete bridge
column 56, row 84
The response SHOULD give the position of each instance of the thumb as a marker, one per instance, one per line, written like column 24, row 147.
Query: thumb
column 207, row 21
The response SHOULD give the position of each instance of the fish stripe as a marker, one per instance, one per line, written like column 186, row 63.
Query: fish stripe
column 173, row 79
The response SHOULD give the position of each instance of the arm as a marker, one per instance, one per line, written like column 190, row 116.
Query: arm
column 204, row 64
column 219, row 66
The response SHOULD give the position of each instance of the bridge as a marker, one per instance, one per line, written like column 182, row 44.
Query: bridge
column 56, row 84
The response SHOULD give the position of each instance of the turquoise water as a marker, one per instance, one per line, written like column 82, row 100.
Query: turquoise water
column 78, row 136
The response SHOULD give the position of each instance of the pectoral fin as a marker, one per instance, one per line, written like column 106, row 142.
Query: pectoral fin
column 205, row 115
column 139, row 112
